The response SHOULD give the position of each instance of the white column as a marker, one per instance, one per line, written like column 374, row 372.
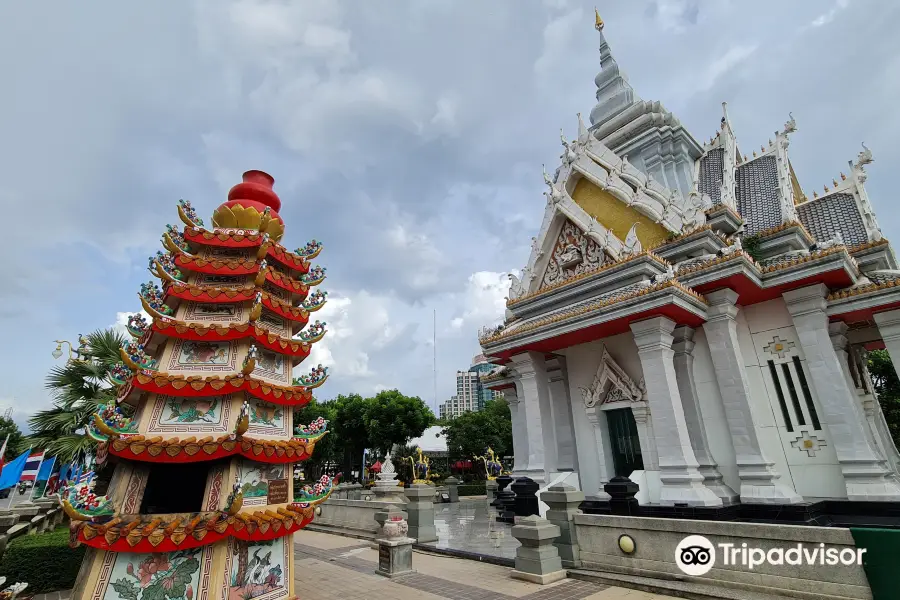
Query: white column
column 562, row 416
column 533, row 392
column 683, row 346
column 889, row 328
column 759, row 479
column 837, row 331
column 865, row 475
column 598, row 421
column 681, row 482
column 520, row 447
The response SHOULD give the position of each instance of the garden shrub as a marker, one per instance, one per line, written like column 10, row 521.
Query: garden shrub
column 44, row 561
column 472, row 489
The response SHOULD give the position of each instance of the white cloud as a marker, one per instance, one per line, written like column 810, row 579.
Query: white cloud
column 723, row 64
column 557, row 42
column 828, row 16
column 483, row 301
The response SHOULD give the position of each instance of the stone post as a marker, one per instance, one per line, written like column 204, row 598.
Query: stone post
column 865, row 474
column 759, row 479
column 452, row 484
column 563, row 502
column 395, row 548
column 391, row 511
column 421, row 512
column 681, row 482
column 526, row 502
column 490, row 488
column 537, row 559
column 683, row 347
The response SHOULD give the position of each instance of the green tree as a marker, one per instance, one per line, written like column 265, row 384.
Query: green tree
column 887, row 388
column 78, row 388
column 16, row 444
column 350, row 426
column 328, row 449
column 392, row 418
column 471, row 433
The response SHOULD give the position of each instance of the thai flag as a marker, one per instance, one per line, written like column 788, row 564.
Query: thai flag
column 32, row 465
column 86, row 477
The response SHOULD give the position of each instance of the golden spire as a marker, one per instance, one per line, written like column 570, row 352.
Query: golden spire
column 598, row 22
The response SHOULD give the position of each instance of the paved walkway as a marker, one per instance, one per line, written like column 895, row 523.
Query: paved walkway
column 330, row 566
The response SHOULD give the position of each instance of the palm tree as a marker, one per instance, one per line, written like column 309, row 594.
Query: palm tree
column 78, row 388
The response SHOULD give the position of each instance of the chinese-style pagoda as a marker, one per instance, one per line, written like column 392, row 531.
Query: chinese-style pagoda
column 201, row 504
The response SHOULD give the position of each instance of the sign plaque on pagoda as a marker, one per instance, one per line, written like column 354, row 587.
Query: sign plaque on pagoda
column 201, row 504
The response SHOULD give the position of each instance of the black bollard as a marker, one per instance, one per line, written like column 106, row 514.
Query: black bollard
column 621, row 492
column 502, row 482
column 526, row 503
column 506, row 500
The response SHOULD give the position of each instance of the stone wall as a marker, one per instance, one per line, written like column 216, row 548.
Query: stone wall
column 29, row 517
column 355, row 517
column 655, row 542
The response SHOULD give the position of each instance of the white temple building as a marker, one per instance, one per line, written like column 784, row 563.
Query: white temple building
column 690, row 319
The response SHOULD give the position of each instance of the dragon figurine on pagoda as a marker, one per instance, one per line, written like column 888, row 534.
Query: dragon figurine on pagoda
column 200, row 435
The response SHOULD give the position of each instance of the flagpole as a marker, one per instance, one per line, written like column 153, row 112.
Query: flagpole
column 38, row 472
column 12, row 490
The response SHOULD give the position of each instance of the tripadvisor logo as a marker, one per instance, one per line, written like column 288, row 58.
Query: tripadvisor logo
column 696, row 555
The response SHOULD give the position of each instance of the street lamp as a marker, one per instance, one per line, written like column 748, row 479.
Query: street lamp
column 75, row 354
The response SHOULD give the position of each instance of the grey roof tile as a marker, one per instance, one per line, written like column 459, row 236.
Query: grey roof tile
column 756, row 184
column 710, row 177
column 824, row 216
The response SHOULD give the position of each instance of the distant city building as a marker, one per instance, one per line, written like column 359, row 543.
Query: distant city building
column 471, row 395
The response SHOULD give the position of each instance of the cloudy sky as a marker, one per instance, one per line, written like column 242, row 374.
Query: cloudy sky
column 407, row 135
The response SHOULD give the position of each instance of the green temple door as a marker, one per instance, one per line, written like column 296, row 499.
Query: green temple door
column 626, row 446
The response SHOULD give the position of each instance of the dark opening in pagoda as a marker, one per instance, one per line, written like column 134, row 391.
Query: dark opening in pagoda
column 175, row 488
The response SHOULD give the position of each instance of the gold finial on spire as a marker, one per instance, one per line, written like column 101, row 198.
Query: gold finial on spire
column 598, row 22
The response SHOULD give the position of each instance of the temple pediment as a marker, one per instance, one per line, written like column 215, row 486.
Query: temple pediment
column 574, row 253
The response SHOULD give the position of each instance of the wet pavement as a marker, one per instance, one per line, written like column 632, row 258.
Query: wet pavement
column 470, row 526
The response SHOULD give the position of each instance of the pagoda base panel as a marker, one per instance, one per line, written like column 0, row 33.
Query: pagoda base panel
column 227, row 570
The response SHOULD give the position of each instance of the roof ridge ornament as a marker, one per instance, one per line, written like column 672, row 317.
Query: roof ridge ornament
column 863, row 158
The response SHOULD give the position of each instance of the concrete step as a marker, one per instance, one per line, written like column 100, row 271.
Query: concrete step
column 689, row 589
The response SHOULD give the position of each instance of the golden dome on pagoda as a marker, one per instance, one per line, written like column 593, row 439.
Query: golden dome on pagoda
column 252, row 204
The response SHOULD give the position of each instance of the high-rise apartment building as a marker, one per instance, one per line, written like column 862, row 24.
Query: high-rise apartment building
column 470, row 394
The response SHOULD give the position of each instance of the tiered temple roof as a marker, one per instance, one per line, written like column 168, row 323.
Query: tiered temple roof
column 642, row 220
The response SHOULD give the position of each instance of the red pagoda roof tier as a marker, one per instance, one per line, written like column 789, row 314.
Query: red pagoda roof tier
column 212, row 293
column 239, row 238
column 216, row 266
column 189, row 450
column 234, row 331
column 286, row 282
column 196, row 386
column 167, row 533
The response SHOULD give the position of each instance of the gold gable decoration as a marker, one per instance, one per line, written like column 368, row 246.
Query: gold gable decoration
column 616, row 216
